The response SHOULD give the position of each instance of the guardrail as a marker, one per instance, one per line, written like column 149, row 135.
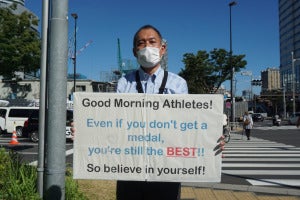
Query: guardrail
column 236, row 126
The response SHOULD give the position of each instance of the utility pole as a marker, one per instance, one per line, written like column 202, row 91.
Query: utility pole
column 43, row 99
column 232, row 91
column 294, row 81
column 284, row 102
column 249, row 73
column 75, row 16
column 56, row 112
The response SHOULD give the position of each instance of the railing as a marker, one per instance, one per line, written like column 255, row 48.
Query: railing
column 236, row 126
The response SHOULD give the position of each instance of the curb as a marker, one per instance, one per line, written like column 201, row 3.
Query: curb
column 246, row 188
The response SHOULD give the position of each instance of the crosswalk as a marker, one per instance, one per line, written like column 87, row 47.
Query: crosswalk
column 262, row 162
column 284, row 127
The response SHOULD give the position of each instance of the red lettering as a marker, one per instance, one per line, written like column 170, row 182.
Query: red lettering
column 181, row 151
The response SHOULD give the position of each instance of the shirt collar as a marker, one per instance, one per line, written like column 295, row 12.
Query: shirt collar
column 146, row 76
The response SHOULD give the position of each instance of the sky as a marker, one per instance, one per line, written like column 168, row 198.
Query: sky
column 188, row 26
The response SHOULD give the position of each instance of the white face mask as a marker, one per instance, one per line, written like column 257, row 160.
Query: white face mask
column 148, row 57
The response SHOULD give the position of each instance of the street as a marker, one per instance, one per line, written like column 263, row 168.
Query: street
column 270, row 158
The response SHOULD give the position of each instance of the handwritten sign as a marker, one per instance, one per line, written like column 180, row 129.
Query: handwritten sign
column 147, row 137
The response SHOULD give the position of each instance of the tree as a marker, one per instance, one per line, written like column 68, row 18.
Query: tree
column 205, row 72
column 19, row 42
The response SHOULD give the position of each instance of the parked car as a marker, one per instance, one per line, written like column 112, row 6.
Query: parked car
column 257, row 117
column 31, row 126
column 13, row 118
column 293, row 118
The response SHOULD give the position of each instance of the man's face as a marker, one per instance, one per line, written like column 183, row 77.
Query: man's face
column 148, row 38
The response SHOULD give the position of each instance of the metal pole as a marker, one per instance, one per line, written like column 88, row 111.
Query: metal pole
column 250, row 74
column 252, row 102
column 43, row 97
column 293, row 82
column 75, row 49
column 232, row 95
column 56, row 112
column 284, row 102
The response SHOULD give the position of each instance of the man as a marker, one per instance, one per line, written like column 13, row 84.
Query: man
column 148, row 48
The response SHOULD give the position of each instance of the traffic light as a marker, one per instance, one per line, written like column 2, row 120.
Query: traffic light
column 256, row 82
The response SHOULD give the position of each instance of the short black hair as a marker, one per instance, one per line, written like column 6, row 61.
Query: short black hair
column 148, row 26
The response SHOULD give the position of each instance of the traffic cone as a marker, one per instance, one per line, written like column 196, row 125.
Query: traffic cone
column 14, row 137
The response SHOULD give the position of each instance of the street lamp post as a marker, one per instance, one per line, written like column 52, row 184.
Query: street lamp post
column 232, row 95
column 249, row 73
column 75, row 16
column 284, row 102
column 293, row 80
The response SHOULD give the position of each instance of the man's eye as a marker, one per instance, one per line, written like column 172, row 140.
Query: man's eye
column 140, row 43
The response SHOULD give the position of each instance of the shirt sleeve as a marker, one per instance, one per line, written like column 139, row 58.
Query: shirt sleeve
column 176, row 85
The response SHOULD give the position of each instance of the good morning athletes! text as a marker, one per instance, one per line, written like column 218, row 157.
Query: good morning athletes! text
column 155, row 105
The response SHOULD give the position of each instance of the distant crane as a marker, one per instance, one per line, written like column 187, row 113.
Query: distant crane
column 124, row 66
column 71, row 53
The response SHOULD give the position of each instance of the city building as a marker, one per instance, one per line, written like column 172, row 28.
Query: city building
column 6, row 3
column 270, row 80
column 246, row 94
column 28, row 90
column 19, row 9
column 289, row 33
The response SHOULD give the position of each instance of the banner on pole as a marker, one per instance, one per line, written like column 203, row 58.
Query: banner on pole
column 147, row 137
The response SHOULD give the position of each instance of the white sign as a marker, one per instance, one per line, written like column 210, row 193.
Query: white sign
column 147, row 137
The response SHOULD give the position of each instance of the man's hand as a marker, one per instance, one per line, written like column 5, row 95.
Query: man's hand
column 221, row 145
column 73, row 131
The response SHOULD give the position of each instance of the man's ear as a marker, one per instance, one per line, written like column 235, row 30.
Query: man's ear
column 163, row 49
column 134, row 52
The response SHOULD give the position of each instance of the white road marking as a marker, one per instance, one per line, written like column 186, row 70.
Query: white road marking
column 274, row 182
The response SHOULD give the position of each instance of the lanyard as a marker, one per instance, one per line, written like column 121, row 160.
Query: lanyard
column 139, row 84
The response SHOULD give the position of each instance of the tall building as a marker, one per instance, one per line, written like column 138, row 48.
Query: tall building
column 289, row 33
column 8, row 2
column 20, row 5
column 270, row 80
column 19, row 9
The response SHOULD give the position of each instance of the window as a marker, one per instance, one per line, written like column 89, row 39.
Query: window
column 3, row 112
column 80, row 88
column 21, row 112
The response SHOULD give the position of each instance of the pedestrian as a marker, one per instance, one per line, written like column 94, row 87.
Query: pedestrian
column 248, row 124
column 298, row 122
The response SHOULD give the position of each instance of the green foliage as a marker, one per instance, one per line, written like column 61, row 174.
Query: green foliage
column 18, row 180
column 72, row 188
column 205, row 72
column 19, row 42
column 4, row 161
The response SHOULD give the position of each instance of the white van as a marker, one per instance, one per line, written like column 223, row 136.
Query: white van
column 14, row 117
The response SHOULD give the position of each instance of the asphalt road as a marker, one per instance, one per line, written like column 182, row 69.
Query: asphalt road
column 270, row 158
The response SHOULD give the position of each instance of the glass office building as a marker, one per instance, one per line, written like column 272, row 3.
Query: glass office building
column 289, row 33
column 19, row 9
column 6, row 3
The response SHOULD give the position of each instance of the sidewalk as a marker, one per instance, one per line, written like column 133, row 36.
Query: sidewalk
column 236, row 192
column 106, row 190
